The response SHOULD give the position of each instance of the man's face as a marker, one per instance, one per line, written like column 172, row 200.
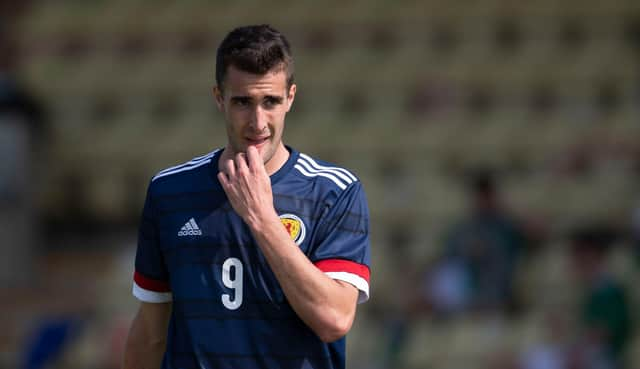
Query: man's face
column 255, row 107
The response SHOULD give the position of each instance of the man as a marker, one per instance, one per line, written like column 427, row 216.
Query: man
column 22, row 140
column 255, row 255
column 482, row 253
column 604, row 311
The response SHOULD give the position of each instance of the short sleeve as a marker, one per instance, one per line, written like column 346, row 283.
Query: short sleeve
column 150, row 278
column 342, row 247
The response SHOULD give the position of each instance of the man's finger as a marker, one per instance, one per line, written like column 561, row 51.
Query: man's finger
column 253, row 157
column 229, row 168
column 241, row 162
column 224, row 181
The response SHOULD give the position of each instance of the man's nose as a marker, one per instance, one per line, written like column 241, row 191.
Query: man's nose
column 259, row 119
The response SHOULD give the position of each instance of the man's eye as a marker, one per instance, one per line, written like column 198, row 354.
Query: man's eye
column 269, row 103
column 240, row 102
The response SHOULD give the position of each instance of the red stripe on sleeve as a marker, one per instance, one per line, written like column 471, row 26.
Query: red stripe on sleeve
column 150, row 284
column 341, row 265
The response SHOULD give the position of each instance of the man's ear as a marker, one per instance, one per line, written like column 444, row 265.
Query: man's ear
column 217, row 95
column 291, row 96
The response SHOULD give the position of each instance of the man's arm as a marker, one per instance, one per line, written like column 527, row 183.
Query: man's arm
column 326, row 305
column 147, row 336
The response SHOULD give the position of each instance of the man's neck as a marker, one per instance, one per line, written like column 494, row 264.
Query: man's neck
column 278, row 160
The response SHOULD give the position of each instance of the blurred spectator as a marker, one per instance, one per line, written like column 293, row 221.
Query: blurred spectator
column 476, row 271
column 606, row 326
column 482, row 251
column 20, row 125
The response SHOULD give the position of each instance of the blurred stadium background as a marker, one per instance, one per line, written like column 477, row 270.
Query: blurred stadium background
column 411, row 95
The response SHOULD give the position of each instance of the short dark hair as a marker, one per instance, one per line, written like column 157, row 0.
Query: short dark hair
column 595, row 238
column 482, row 182
column 255, row 49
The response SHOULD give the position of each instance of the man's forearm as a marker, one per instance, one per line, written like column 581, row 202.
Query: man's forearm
column 145, row 345
column 327, row 306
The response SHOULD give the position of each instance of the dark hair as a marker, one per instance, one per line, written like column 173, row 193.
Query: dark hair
column 254, row 49
column 595, row 238
column 482, row 182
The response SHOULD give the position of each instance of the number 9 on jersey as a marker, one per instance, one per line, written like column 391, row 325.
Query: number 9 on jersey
column 234, row 283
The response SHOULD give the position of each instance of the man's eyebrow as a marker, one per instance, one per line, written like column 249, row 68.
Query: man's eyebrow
column 241, row 98
column 275, row 98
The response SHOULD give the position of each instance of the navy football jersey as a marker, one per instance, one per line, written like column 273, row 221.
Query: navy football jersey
column 228, row 310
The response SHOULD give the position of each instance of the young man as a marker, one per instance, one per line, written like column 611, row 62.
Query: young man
column 255, row 255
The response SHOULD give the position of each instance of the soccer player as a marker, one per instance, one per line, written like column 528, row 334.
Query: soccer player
column 255, row 255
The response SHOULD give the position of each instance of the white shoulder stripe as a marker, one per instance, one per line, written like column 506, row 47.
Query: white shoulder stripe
column 321, row 174
column 190, row 162
column 310, row 169
column 320, row 167
column 201, row 163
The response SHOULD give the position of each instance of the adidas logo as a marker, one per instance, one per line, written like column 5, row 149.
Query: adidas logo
column 190, row 228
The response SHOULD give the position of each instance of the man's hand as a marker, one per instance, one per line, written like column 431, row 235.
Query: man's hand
column 248, row 187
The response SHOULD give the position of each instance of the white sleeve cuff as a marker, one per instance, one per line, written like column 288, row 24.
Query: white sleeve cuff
column 358, row 282
column 151, row 296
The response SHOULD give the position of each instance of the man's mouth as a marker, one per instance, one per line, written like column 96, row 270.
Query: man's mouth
column 257, row 141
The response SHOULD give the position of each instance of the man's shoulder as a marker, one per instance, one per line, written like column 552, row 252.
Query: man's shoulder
column 178, row 176
column 324, row 173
